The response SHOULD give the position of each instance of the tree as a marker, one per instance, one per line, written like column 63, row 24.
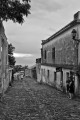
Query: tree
column 11, row 58
column 14, row 10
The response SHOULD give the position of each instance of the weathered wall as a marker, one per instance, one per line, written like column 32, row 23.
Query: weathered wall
column 77, row 85
column 65, row 49
column 78, row 34
column 4, row 76
column 5, row 82
column 38, row 71
column 59, row 83
column 28, row 72
column 45, row 78
column 67, row 53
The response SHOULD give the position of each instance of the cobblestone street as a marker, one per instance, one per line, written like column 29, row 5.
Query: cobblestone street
column 28, row 100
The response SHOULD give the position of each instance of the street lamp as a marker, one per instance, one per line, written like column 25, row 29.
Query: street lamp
column 74, row 35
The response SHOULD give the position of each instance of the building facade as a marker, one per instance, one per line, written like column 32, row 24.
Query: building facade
column 4, row 74
column 60, row 57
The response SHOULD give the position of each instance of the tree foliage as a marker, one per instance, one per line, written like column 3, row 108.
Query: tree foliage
column 11, row 58
column 11, row 49
column 17, row 68
column 14, row 10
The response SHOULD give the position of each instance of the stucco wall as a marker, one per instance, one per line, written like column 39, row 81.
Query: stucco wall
column 50, row 79
column 4, row 77
column 67, row 52
column 78, row 34
column 60, row 82
column 5, row 81
column 44, row 71
column 28, row 72
column 65, row 49
column 38, row 71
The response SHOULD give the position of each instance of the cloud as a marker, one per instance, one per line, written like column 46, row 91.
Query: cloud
column 27, row 60
column 21, row 55
column 41, row 9
column 43, row 5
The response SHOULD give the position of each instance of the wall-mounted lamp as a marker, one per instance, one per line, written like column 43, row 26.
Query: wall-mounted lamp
column 74, row 34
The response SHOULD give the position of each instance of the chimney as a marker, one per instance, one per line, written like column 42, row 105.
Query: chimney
column 77, row 16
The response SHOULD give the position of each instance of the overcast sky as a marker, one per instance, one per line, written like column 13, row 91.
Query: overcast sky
column 46, row 18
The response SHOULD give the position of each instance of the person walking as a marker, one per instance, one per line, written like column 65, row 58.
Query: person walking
column 71, row 89
column 67, row 86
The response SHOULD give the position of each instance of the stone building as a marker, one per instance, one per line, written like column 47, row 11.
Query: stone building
column 4, row 74
column 60, row 56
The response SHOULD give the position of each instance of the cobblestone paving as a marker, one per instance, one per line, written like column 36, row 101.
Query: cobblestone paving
column 28, row 100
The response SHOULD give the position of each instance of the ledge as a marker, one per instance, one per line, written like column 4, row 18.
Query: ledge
column 64, row 66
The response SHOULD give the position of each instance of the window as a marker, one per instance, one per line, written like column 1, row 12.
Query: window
column 48, row 73
column 54, row 76
column 45, row 54
column 42, row 52
column 53, row 53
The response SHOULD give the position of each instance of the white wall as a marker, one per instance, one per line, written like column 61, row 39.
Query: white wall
column 45, row 78
column 50, row 80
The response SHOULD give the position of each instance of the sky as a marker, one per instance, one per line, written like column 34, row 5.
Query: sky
column 46, row 18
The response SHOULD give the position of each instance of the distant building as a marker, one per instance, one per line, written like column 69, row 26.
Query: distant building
column 28, row 72
column 60, row 57
column 31, row 72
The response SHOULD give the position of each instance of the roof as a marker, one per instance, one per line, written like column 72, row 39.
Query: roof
column 70, row 25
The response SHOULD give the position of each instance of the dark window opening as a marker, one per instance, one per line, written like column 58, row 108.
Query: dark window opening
column 42, row 52
column 45, row 54
column 54, row 76
column 53, row 53
column 48, row 73
column 67, row 76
